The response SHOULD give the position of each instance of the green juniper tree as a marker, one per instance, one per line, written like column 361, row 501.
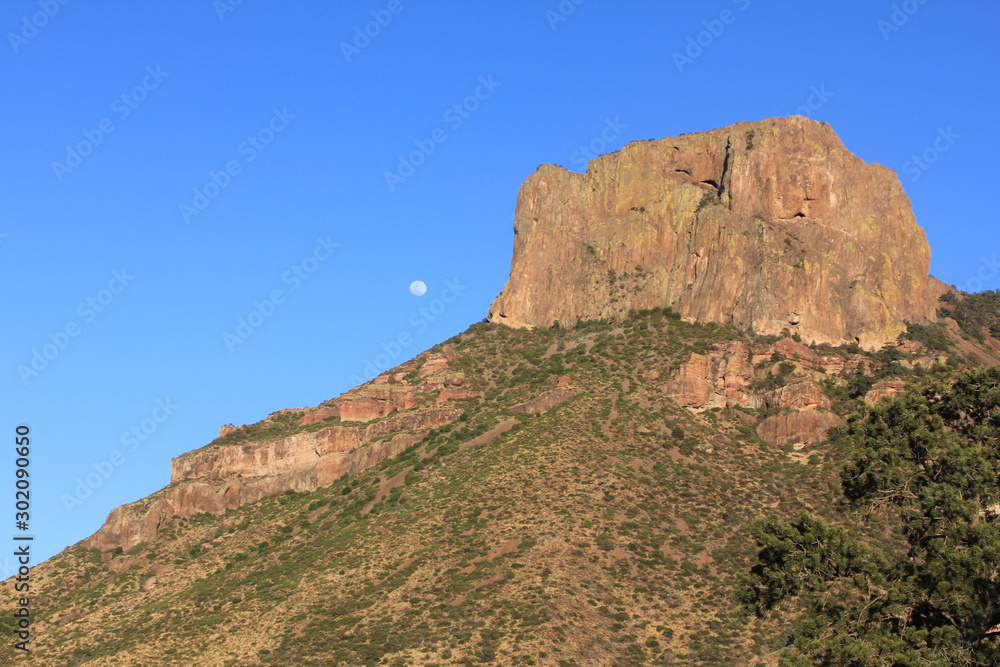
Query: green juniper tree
column 928, row 466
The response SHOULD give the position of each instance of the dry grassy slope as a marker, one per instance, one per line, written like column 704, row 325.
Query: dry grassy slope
column 593, row 534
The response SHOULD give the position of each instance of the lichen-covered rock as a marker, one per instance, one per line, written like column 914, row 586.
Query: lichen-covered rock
column 770, row 225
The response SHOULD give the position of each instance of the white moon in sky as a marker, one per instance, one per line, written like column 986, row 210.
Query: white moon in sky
column 418, row 288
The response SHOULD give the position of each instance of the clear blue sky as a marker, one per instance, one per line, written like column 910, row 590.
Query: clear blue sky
column 114, row 113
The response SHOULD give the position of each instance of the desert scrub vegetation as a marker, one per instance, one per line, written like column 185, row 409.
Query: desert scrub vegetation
column 632, row 530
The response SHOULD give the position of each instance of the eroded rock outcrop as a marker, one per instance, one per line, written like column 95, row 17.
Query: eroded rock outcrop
column 800, row 395
column 220, row 478
column 885, row 389
column 367, row 425
column 392, row 392
column 725, row 378
column 457, row 394
column 798, row 426
column 771, row 225
column 544, row 402
column 713, row 380
column 299, row 451
column 831, row 364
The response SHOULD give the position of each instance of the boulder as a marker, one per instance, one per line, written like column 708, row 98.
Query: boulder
column 711, row 380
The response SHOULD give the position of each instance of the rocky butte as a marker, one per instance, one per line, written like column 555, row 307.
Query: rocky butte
column 769, row 225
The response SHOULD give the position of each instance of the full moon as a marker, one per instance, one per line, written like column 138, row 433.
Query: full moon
column 418, row 288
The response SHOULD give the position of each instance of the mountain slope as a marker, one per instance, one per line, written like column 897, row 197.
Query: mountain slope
column 606, row 529
column 544, row 495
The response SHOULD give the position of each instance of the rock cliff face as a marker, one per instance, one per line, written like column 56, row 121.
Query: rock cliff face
column 225, row 476
column 804, row 426
column 770, row 225
column 301, row 451
column 724, row 378
column 713, row 380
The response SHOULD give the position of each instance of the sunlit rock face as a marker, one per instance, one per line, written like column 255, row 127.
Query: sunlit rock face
column 770, row 225
column 366, row 425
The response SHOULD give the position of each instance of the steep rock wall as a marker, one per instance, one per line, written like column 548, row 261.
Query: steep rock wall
column 770, row 225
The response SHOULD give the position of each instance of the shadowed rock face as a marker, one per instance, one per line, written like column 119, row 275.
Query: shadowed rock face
column 769, row 225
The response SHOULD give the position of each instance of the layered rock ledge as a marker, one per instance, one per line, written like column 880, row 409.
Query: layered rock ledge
column 345, row 435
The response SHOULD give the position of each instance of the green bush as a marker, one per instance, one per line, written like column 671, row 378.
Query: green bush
column 707, row 199
column 933, row 336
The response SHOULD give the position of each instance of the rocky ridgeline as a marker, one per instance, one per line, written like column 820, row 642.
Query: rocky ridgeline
column 770, row 225
column 363, row 431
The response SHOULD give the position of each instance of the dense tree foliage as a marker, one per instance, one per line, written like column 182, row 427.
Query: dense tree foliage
column 975, row 313
column 927, row 469
column 934, row 336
